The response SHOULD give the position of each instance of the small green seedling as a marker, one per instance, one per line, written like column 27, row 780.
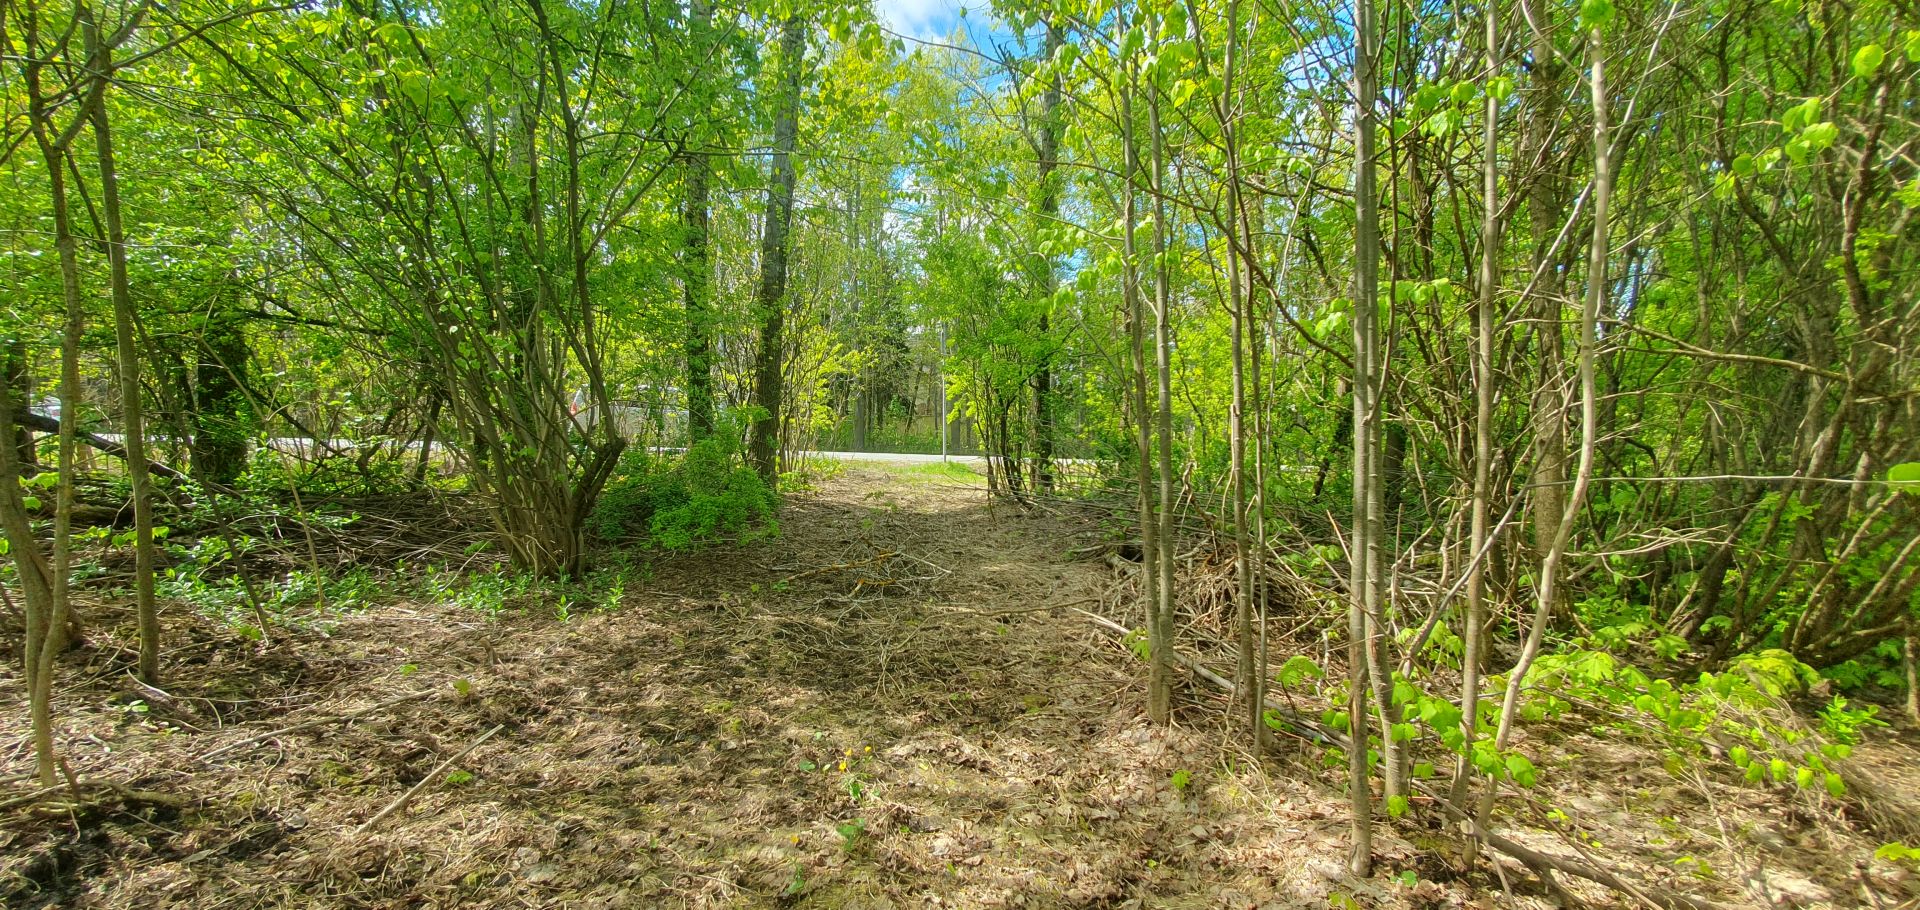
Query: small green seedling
column 850, row 832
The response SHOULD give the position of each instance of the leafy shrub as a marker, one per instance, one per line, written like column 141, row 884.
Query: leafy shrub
column 707, row 494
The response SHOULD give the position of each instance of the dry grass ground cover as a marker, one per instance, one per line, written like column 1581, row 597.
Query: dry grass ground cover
column 891, row 704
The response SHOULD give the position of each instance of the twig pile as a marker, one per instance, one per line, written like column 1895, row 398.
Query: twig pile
column 880, row 573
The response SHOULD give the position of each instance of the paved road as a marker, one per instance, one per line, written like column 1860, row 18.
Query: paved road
column 301, row 446
column 895, row 457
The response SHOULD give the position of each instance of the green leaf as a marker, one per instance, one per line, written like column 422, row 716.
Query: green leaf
column 1521, row 769
column 1867, row 60
column 1596, row 13
column 1820, row 136
column 1904, row 474
column 415, row 86
column 1800, row 115
column 1896, row 851
column 1396, row 806
column 1836, row 787
column 1298, row 669
column 1441, row 123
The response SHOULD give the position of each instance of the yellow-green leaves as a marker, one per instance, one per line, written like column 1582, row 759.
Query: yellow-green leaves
column 1800, row 115
column 1596, row 13
column 1521, row 770
column 1898, row 852
column 1439, row 107
column 1811, row 135
column 416, row 86
column 1905, row 476
column 1867, row 60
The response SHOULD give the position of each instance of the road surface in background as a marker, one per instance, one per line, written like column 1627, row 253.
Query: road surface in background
column 895, row 457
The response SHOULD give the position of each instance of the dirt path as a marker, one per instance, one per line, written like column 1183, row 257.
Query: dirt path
column 881, row 707
column 890, row 704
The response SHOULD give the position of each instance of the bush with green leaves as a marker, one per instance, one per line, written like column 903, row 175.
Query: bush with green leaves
column 708, row 494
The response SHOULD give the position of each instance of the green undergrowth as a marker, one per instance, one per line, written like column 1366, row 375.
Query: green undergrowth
column 706, row 495
column 936, row 471
column 1741, row 723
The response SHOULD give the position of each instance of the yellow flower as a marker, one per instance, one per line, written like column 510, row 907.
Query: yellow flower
column 843, row 766
column 869, row 750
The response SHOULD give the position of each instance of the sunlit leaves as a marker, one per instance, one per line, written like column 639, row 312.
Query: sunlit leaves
column 1867, row 60
column 1799, row 116
column 1596, row 13
column 1905, row 476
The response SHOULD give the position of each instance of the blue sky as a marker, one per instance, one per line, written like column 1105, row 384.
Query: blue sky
column 920, row 18
column 935, row 20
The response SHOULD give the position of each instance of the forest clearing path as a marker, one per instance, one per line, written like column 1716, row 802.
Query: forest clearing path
column 833, row 717
column 892, row 703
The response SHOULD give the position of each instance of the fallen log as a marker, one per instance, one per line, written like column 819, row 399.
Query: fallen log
column 44, row 424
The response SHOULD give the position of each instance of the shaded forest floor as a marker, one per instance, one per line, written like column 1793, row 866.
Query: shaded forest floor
column 891, row 704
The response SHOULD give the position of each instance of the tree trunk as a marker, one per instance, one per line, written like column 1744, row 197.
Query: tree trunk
column 47, row 632
column 696, row 261
column 1361, row 587
column 1049, row 209
column 1546, row 206
column 132, row 416
column 20, row 385
column 1159, row 692
column 1483, row 380
column 1161, row 634
column 697, row 284
column 222, row 414
column 1546, row 589
column 769, row 377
